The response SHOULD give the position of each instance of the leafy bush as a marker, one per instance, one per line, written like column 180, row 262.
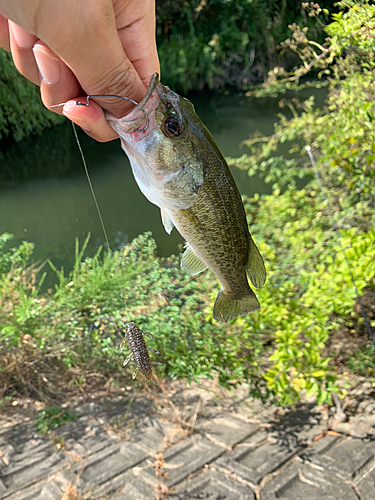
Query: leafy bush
column 309, row 293
column 219, row 42
column 363, row 361
column 81, row 324
column 21, row 110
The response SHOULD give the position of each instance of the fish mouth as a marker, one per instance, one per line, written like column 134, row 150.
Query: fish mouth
column 138, row 119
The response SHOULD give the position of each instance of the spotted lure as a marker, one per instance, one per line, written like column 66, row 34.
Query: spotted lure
column 139, row 350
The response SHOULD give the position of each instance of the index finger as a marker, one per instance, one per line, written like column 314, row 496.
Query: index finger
column 92, row 49
column 4, row 33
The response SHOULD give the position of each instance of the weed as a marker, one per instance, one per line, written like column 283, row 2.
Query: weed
column 7, row 398
column 362, row 361
column 51, row 418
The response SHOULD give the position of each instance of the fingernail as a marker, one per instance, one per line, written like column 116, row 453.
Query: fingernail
column 68, row 111
column 23, row 39
column 48, row 65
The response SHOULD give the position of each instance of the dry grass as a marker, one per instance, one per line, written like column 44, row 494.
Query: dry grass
column 41, row 375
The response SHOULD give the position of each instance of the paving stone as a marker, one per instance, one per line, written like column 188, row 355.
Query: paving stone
column 6, row 454
column 102, row 466
column 13, row 422
column 299, row 481
column 350, row 429
column 20, row 461
column 84, row 436
column 366, row 424
column 150, row 434
column 138, row 408
column 85, row 409
column 365, row 484
column 46, row 490
column 21, row 438
column 345, row 456
column 302, row 424
column 30, row 466
column 226, row 429
column 212, row 485
column 366, row 406
column 183, row 459
column 258, row 456
column 125, row 486
column 125, row 470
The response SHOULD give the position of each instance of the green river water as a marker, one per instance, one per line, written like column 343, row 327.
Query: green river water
column 45, row 197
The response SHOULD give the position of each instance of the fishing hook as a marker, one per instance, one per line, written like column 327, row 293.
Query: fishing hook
column 78, row 103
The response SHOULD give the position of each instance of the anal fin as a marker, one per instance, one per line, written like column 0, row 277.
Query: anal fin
column 255, row 269
column 191, row 263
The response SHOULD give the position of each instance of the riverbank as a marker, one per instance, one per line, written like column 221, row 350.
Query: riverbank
column 317, row 315
column 182, row 441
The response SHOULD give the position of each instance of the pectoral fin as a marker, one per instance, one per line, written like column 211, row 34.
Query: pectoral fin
column 255, row 269
column 167, row 221
column 191, row 263
column 185, row 184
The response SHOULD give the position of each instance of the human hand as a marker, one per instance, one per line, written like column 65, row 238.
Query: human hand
column 89, row 47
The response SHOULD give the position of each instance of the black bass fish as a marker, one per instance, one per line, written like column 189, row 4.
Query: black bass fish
column 179, row 167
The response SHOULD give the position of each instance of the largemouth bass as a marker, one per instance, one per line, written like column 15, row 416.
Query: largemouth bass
column 179, row 167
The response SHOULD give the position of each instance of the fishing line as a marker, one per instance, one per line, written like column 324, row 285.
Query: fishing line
column 335, row 228
column 91, row 186
column 109, row 247
column 86, row 104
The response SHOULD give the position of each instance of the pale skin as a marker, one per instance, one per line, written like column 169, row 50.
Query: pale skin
column 75, row 48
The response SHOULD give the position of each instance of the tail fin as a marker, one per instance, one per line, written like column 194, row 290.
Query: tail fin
column 227, row 307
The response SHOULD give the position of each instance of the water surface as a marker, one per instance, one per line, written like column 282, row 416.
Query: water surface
column 45, row 197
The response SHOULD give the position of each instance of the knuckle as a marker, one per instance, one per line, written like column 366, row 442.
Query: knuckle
column 117, row 82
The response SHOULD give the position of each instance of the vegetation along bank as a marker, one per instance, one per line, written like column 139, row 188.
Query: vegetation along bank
column 309, row 330
column 201, row 43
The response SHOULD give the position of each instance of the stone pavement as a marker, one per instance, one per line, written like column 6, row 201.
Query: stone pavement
column 193, row 444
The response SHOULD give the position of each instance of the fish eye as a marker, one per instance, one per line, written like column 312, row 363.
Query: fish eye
column 172, row 127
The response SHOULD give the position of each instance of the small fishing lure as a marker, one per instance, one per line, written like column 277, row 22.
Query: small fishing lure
column 139, row 350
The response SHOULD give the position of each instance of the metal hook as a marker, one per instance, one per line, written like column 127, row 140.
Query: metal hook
column 78, row 103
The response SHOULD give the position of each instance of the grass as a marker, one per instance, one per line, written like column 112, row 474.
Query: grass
column 56, row 345
column 53, row 417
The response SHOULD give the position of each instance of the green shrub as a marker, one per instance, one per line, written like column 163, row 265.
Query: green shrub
column 309, row 293
column 21, row 110
column 82, row 323
column 218, row 43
